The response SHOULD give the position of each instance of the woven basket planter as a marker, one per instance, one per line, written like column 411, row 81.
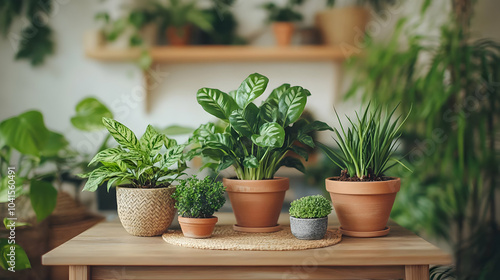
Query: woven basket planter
column 145, row 212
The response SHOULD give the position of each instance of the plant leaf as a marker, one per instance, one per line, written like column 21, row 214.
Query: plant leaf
column 122, row 134
column 245, row 121
column 292, row 104
column 89, row 114
column 252, row 87
column 270, row 135
column 43, row 197
column 251, row 162
column 216, row 102
column 293, row 163
column 108, row 155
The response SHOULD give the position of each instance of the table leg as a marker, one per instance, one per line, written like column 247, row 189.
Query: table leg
column 416, row 272
column 79, row 272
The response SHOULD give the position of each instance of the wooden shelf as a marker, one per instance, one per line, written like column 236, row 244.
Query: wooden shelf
column 169, row 54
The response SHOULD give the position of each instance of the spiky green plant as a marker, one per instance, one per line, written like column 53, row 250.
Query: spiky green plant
column 368, row 144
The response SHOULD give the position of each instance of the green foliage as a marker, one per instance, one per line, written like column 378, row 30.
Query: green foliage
column 195, row 198
column 283, row 14
column 310, row 207
column 224, row 25
column 255, row 139
column 89, row 114
column 22, row 262
column 36, row 44
column 138, row 162
column 368, row 144
column 43, row 198
column 179, row 14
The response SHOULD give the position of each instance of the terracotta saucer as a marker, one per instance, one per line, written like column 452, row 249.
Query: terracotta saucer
column 377, row 233
column 257, row 229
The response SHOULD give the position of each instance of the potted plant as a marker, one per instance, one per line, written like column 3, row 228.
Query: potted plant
column 177, row 19
column 309, row 217
column 255, row 142
column 143, row 174
column 282, row 19
column 346, row 25
column 196, row 201
column 362, row 195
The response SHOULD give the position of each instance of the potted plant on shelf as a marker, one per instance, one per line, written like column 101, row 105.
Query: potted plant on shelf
column 143, row 174
column 283, row 19
column 255, row 142
column 309, row 217
column 196, row 201
column 362, row 195
column 178, row 18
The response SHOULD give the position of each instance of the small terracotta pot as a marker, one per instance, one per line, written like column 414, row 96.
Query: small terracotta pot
column 343, row 26
column 257, row 203
column 283, row 32
column 363, row 208
column 197, row 227
column 179, row 36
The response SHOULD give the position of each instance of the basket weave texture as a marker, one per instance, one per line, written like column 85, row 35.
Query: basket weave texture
column 145, row 212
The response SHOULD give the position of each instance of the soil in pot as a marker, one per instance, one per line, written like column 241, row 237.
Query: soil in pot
column 309, row 229
column 197, row 227
column 283, row 32
column 145, row 211
column 179, row 36
column 257, row 203
column 363, row 208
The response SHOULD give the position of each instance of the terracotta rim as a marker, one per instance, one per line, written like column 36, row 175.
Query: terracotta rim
column 198, row 221
column 255, row 186
column 257, row 229
column 376, row 233
column 363, row 188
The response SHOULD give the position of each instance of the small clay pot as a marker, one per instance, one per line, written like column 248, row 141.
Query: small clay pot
column 363, row 208
column 256, row 203
column 179, row 36
column 283, row 32
column 197, row 227
column 309, row 229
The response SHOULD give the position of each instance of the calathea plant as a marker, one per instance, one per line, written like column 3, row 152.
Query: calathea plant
column 139, row 163
column 256, row 139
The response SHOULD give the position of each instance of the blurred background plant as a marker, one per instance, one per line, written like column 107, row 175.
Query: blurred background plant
column 451, row 139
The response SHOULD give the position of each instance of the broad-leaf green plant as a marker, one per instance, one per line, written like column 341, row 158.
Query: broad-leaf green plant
column 310, row 207
column 368, row 144
column 136, row 162
column 256, row 139
column 179, row 14
column 195, row 198
column 286, row 13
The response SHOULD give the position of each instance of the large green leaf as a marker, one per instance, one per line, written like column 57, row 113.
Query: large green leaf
column 292, row 104
column 251, row 162
column 245, row 121
column 122, row 134
column 148, row 135
column 26, row 133
column 43, row 198
column 293, row 163
column 278, row 92
column 22, row 261
column 55, row 143
column 172, row 156
column 108, row 155
column 270, row 135
column 269, row 111
column 216, row 102
column 252, row 87
column 4, row 188
column 89, row 114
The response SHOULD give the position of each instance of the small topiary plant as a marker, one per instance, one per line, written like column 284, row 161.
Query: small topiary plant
column 310, row 207
column 197, row 198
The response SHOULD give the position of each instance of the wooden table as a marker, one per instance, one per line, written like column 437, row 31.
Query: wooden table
column 106, row 251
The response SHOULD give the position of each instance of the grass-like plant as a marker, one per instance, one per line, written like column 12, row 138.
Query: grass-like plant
column 195, row 198
column 367, row 145
column 140, row 163
column 310, row 207
column 255, row 140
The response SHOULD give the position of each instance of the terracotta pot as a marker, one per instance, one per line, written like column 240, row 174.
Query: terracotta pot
column 283, row 32
column 257, row 203
column 179, row 36
column 343, row 26
column 145, row 211
column 363, row 208
column 197, row 227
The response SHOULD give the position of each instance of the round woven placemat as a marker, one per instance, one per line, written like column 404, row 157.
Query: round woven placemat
column 225, row 238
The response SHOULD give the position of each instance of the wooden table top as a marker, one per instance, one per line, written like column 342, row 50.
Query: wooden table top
column 109, row 244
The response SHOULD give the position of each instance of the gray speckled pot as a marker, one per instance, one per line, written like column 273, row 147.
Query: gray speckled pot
column 309, row 229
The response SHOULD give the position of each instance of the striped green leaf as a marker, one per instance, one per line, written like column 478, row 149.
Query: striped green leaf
column 245, row 121
column 278, row 92
column 252, row 87
column 108, row 155
column 269, row 111
column 292, row 104
column 121, row 133
column 216, row 102
column 172, row 156
column 270, row 135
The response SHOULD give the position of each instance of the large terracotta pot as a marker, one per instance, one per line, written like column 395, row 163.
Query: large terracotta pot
column 179, row 36
column 197, row 227
column 257, row 203
column 283, row 32
column 343, row 26
column 145, row 211
column 363, row 208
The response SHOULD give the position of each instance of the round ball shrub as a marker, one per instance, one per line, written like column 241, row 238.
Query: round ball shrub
column 195, row 198
column 310, row 207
